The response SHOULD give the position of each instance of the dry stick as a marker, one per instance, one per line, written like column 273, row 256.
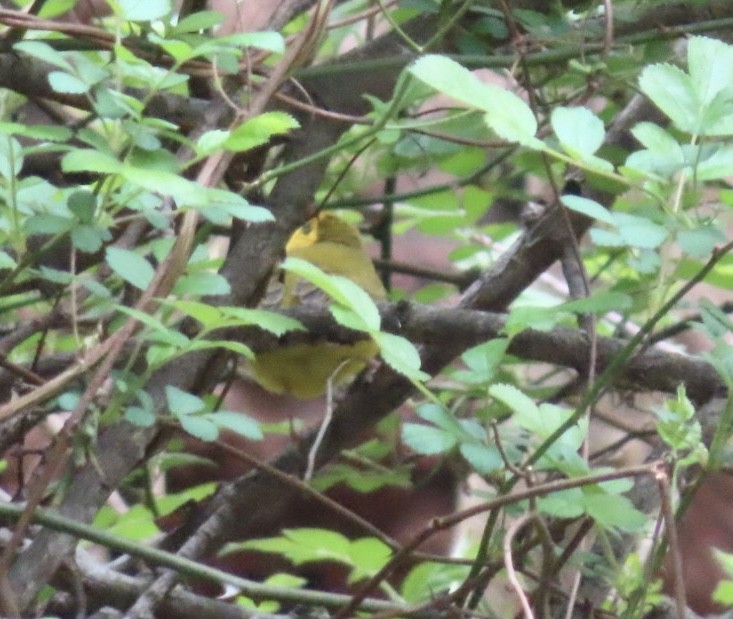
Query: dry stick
column 571, row 258
column 298, row 52
column 312, row 493
column 439, row 524
column 28, row 375
column 111, row 349
column 665, row 493
column 327, row 417
column 509, row 564
column 309, row 491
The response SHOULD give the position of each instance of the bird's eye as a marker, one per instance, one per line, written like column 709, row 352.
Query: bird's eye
column 306, row 228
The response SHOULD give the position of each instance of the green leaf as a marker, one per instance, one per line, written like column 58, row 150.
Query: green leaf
column 400, row 354
column 200, row 427
column 44, row 52
column 638, row 231
column 143, row 10
column 655, row 138
column 588, row 207
column 427, row 440
column 139, row 416
column 339, row 288
column 509, row 116
column 258, row 130
column 66, row 83
column 482, row 361
column 613, row 512
column 211, row 141
column 673, row 92
column 7, row 261
column 181, row 403
column 367, row 556
column 267, row 40
column 201, row 283
column 11, row 157
column 300, row 546
column 237, row 422
column 233, row 205
column 214, row 317
column 521, row 318
column 184, row 191
column 270, row 321
column 562, row 504
column 88, row 160
column 236, row 347
column 484, row 458
column 514, row 399
column 578, row 129
column 710, row 63
column 700, row 243
column 89, row 239
column 202, row 20
column 598, row 303
column 83, row 204
column 723, row 593
column 718, row 165
column 131, row 267
column 161, row 332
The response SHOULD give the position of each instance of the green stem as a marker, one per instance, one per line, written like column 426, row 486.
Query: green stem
column 55, row 521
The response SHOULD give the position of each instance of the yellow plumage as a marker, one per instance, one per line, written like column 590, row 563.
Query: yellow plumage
column 303, row 370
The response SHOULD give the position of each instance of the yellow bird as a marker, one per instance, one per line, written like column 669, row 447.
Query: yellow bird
column 304, row 369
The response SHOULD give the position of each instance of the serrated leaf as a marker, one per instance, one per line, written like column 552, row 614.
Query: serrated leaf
column 563, row 504
column 701, row 242
column 131, row 267
column 235, row 206
column 89, row 239
column 655, row 138
column 400, row 354
column 598, row 303
column 259, row 129
column 509, row 116
column 427, row 440
column 239, row 423
column 7, row 261
column 201, row 20
column 484, row 458
column 184, row 191
column 139, row 416
column 181, row 403
column 82, row 204
column 211, row 141
column 66, row 83
column 639, row 232
column 44, row 52
column 710, row 63
column 673, row 92
column 143, row 10
column 613, row 512
column 11, row 157
column 263, row 39
column 514, row 399
column 165, row 334
column 201, row 283
column 236, row 347
column 200, row 427
column 716, row 166
column 88, row 160
column 588, row 207
column 269, row 321
column 578, row 129
column 339, row 288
